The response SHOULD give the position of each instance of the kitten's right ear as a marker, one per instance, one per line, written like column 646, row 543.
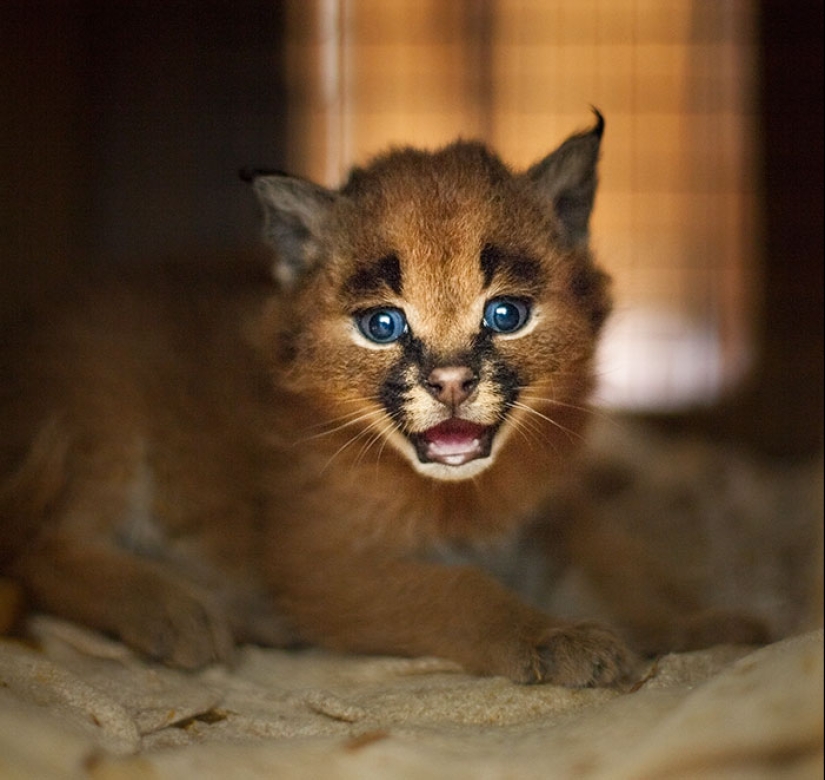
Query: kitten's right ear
column 295, row 215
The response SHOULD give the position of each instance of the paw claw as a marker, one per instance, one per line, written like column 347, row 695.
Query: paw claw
column 583, row 656
column 182, row 630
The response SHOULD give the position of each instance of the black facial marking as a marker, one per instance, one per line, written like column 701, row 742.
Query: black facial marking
column 396, row 386
column 375, row 276
column 505, row 377
column 416, row 362
column 508, row 381
column 483, row 344
column 491, row 258
column 516, row 268
column 584, row 282
column 587, row 285
column 393, row 392
column 414, row 351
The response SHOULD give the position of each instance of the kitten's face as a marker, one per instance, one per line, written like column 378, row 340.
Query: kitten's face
column 446, row 314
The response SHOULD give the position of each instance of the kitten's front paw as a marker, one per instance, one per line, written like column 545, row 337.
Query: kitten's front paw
column 581, row 656
column 179, row 627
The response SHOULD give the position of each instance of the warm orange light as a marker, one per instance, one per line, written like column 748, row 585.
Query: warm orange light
column 675, row 220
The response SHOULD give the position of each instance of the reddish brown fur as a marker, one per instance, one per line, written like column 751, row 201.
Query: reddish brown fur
column 198, row 476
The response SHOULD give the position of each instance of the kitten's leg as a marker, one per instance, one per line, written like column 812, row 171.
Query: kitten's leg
column 139, row 600
column 659, row 611
column 95, row 552
column 414, row 608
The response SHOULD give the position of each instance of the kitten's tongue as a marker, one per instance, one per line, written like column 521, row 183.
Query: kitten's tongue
column 454, row 442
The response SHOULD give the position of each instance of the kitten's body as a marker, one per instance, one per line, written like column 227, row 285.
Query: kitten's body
column 201, row 461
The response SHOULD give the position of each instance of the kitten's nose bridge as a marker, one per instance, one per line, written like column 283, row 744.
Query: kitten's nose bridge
column 451, row 385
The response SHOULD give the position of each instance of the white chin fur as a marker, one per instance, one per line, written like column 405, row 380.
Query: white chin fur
column 446, row 473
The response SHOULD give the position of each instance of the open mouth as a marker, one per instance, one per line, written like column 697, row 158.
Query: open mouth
column 453, row 442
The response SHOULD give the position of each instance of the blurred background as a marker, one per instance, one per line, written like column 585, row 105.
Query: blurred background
column 123, row 126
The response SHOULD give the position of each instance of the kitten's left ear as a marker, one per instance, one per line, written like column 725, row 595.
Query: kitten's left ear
column 296, row 212
column 567, row 178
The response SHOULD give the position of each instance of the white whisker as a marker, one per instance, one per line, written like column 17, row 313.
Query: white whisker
column 529, row 432
column 350, row 420
column 360, row 401
column 389, row 428
column 379, row 434
column 348, row 443
column 592, row 411
column 570, row 434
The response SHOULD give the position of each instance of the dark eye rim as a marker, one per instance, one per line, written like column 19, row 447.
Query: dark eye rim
column 524, row 306
column 362, row 322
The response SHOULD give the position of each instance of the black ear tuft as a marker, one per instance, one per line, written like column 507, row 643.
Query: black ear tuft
column 295, row 218
column 599, row 128
column 567, row 179
column 249, row 174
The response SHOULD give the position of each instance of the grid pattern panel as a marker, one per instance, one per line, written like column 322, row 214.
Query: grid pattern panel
column 675, row 222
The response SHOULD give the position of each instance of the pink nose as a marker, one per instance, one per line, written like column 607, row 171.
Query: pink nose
column 452, row 385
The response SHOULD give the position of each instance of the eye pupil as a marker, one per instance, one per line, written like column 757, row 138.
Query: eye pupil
column 505, row 316
column 383, row 326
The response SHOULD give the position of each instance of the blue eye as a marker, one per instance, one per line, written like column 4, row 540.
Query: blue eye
column 506, row 315
column 383, row 326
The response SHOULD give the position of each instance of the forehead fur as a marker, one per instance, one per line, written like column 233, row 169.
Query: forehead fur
column 458, row 163
column 437, row 210
column 459, row 182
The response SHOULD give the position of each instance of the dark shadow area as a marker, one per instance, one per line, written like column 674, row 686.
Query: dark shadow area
column 124, row 125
